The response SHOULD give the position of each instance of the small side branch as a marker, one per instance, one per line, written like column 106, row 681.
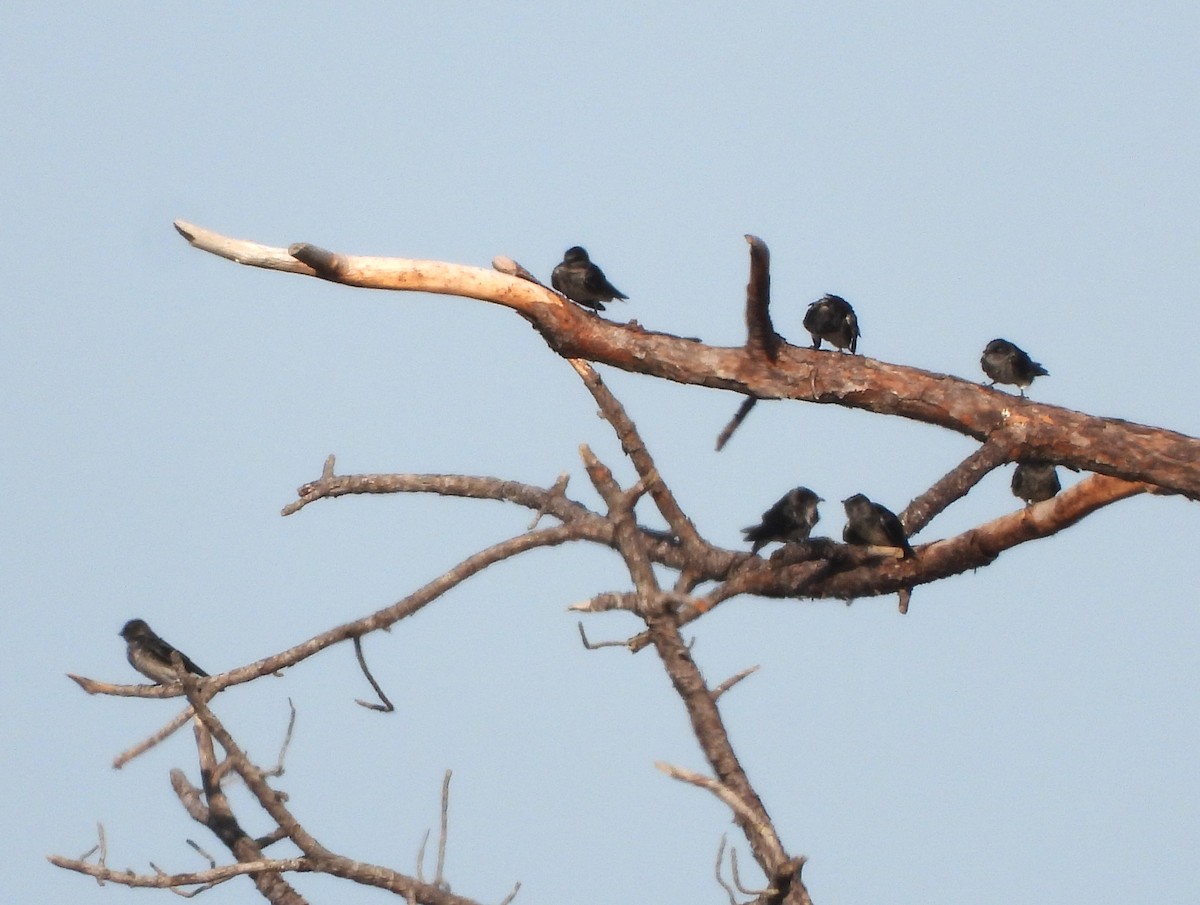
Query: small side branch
column 179, row 720
column 997, row 450
column 631, row 443
column 197, row 878
column 733, row 680
column 596, row 645
column 386, row 705
column 439, row 876
column 709, row 730
column 761, row 338
column 735, row 804
column 736, row 421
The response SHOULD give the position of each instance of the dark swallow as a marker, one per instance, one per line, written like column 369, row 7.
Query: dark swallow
column 151, row 655
column 791, row 519
column 1005, row 363
column 1034, row 481
column 831, row 318
column 869, row 524
column 582, row 281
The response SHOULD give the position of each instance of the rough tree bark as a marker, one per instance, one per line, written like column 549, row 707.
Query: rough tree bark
column 1125, row 459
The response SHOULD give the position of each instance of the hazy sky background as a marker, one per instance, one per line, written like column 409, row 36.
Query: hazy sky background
column 957, row 171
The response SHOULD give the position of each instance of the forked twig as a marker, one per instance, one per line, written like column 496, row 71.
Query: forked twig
column 596, row 645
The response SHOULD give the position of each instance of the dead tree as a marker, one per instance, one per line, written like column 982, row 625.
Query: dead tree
column 1124, row 459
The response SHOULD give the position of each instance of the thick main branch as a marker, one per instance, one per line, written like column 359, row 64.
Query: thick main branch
column 1109, row 446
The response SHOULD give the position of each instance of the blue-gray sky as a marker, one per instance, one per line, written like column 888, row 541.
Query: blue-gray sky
column 959, row 172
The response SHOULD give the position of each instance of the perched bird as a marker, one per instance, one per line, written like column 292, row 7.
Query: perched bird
column 1034, row 481
column 151, row 655
column 831, row 318
column 582, row 281
column 869, row 524
column 1005, row 363
column 789, row 520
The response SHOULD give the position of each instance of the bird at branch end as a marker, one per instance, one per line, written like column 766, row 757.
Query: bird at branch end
column 583, row 282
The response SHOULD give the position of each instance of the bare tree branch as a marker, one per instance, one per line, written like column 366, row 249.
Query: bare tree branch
column 146, row 744
column 1127, row 459
column 195, row 878
column 1104, row 445
column 319, row 857
column 380, row 619
column 639, row 455
column 997, row 449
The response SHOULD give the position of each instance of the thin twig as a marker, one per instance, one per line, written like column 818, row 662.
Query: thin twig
column 556, row 493
column 165, row 881
column 212, row 862
column 736, row 421
column 633, row 446
column 733, row 680
column 277, row 770
column 183, row 893
column 386, row 706
column 620, row 510
column 727, row 795
column 737, row 878
column 717, row 872
column 602, row 603
column 421, row 856
column 596, row 645
column 180, row 719
column 439, row 878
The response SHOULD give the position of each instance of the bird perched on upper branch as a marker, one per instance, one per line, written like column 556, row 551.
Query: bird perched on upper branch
column 151, row 655
column 831, row 318
column 1034, row 481
column 870, row 524
column 582, row 281
column 790, row 519
column 1006, row 363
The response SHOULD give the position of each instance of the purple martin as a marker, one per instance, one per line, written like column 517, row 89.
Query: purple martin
column 831, row 318
column 789, row 520
column 1034, row 481
column 1006, row 363
column 151, row 655
column 582, row 281
column 869, row 524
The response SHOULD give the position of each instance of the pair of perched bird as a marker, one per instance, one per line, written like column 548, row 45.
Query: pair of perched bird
column 832, row 319
column 579, row 279
column 793, row 516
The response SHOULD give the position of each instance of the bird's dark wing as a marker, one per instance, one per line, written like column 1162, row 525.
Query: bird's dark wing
column 892, row 528
column 162, row 650
column 596, row 282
